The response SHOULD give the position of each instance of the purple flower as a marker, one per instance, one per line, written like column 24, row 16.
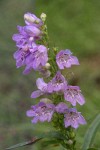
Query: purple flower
column 34, row 58
column 73, row 95
column 57, row 84
column 32, row 31
column 42, row 88
column 41, row 112
column 26, row 37
column 22, row 39
column 73, row 118
column 39, row 57
column 31, row 19
column 65, row 59
column 20, row 57
column 61, row 107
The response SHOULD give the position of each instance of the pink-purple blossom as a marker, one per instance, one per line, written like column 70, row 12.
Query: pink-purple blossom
column 42, row 88
column 41, row 112
column 73, row 118
column 22, row 39
column 31, row 19
column 65, row 59
column 34, row 58
column 39, row 57
column 73, row 95
column 32, row 31
column 58, row 83
column 61, row 107
column 29, row 54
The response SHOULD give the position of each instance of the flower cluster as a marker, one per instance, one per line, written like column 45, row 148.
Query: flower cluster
column 35, row 56
column 58, row 85
column 44, row 112
column 29, row 53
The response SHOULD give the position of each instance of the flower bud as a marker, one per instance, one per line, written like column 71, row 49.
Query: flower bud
column 47, row 66
column 69, row 142
column 29, row 18
column 46, row 100
column 43, row 17
column 32, row 30
column 72, row 135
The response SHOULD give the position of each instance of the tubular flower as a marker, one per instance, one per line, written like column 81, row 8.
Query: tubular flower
column 41, row 112
column 42, row 88
column 64, row 59
column 30, row 54
column 61, row 107
column 39, row 57
column 73, row 95
column 31, row 19
column 73, row 118
column 26, row 37
column 22, row 39
column 32, row 31
column 57, row 84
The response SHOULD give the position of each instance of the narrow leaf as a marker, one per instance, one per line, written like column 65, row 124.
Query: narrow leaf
column 53, row 134
column 32, row 141
column 91, row 132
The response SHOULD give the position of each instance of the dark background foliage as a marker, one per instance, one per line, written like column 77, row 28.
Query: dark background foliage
column 71, row 24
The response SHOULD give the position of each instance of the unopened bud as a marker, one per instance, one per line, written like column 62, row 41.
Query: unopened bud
column 70, row 142
column 46, row 100
column 72, row 135
column 43, row 17
column 47, row 66
column 29, row 18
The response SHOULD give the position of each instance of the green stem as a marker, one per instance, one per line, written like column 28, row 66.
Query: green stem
column 58, row 119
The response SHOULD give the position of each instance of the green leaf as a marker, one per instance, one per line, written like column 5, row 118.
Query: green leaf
column 32, row 141
column 53, row 134
column 91, row 132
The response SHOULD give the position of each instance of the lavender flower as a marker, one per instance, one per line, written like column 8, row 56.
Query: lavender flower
column 39, row 57
column 65, row 59
column 61, row 107
column 30, row 54
column 31, row 19
column 73, row 95
column 42, row 88
column 73, row 118
column 20, row 58
column 22, row 39
column 41, row 112
column 32, row 31
column 34, row 58
column 57, row 84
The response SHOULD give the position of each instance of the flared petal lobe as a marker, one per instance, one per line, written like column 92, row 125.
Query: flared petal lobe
column 73, row 95
column 58, row 83
column 73, row 118
column 41, row 112
column 64, row 59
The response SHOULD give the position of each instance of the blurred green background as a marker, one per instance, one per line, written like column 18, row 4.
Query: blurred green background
column 71, row 24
